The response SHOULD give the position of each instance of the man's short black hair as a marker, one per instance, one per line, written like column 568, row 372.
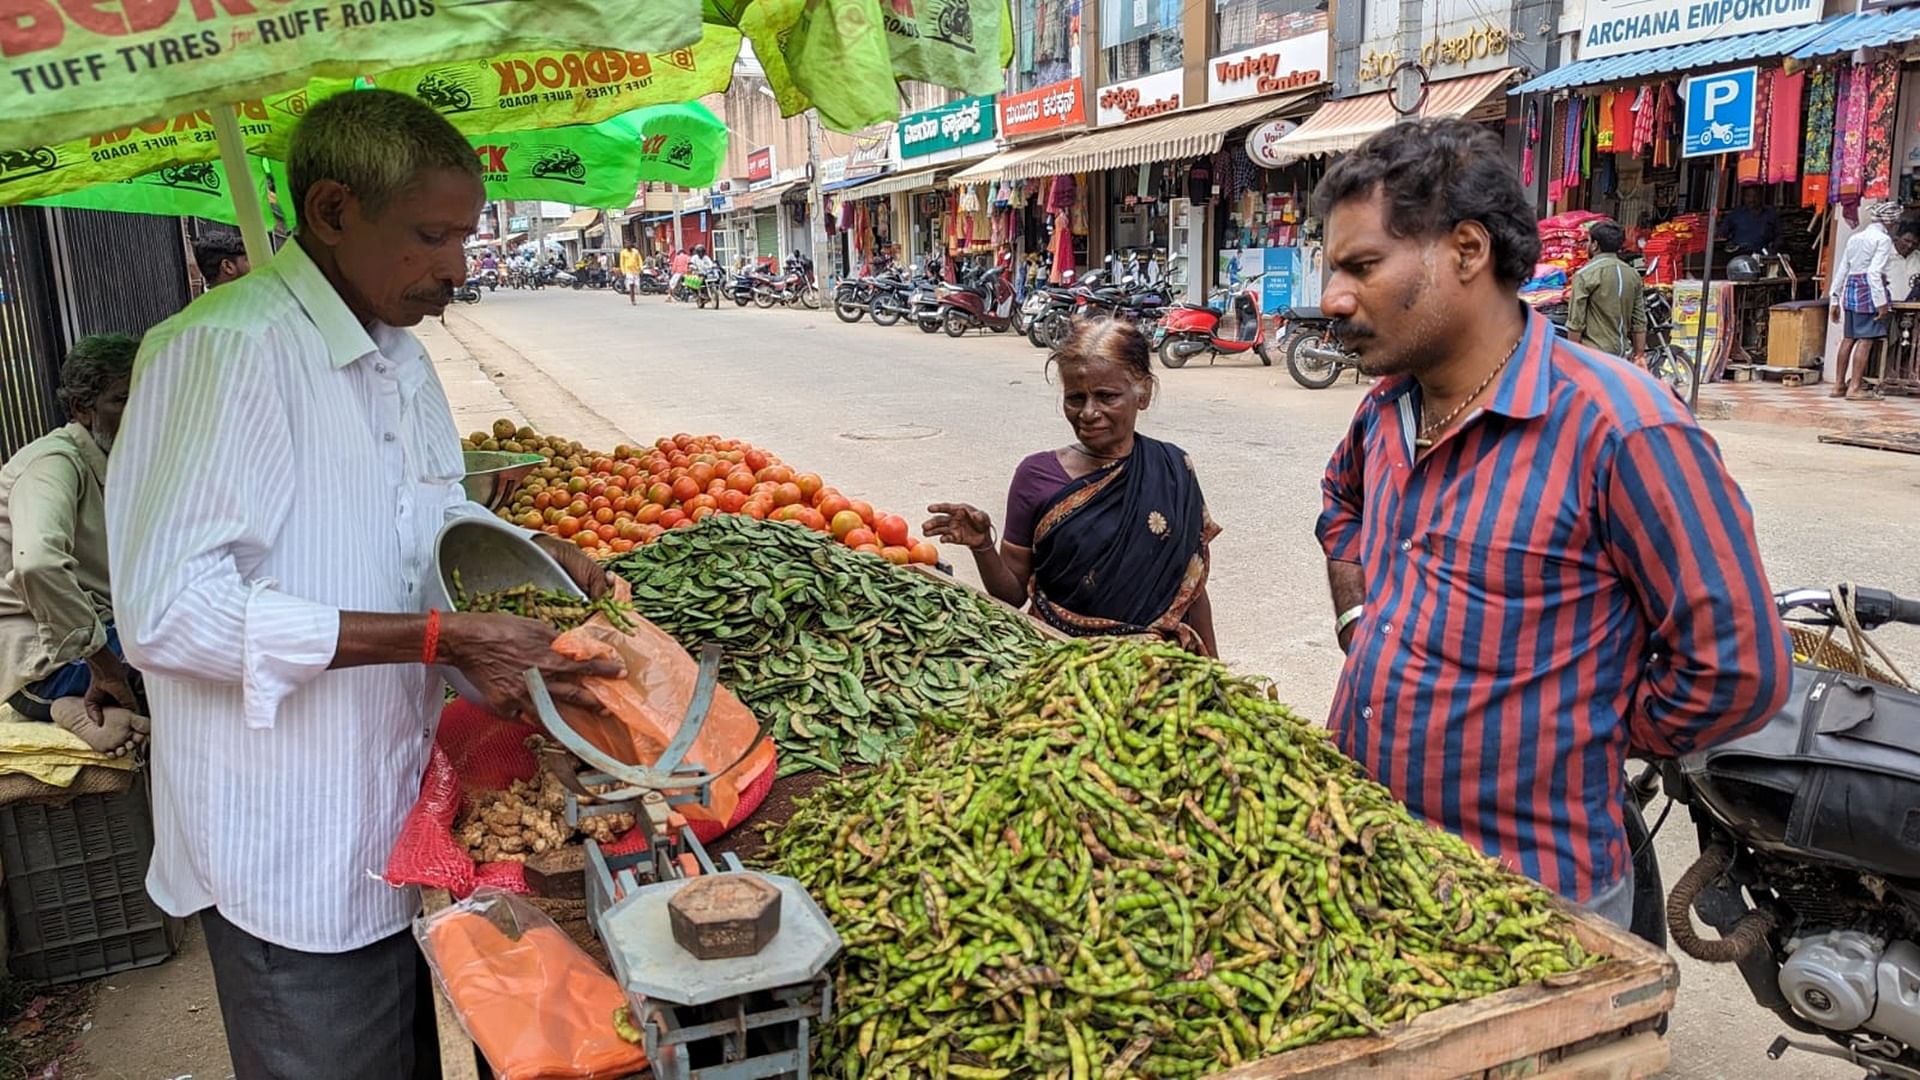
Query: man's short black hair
column 209, row 252
column 1607, row 235
column 1434, row 175
column 95, row 364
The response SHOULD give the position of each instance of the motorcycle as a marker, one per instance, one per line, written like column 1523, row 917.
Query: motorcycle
column 796, row 285
column 742, row 285
column 1314, row 357
column 702, row 289
column 1809, row 868
column 985, row 301
column 1051, row 309
column 892, row 296
column 1229, row 324
column 468, row 293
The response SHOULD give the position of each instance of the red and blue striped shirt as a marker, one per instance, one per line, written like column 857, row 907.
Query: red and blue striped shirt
column 1567, row 573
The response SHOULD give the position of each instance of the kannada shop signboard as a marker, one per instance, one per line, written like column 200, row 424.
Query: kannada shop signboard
column 1154, row 95
column 949, row 127
column 1614, row 27
column 1293, row 64
column 1050, row 108
column 759, row 167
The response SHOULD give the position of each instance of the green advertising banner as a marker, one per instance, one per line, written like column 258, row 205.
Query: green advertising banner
column 842, row 56
column 76, row 66
column 603, row 164
column 550, row 88
column 39, row 172
column 957, row 123
column 195, row 190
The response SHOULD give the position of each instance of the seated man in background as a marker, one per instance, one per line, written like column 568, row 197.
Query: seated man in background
column 221, row 259
column 60, row 659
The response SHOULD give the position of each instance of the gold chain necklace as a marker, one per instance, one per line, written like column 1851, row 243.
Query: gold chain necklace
column 1427, row 434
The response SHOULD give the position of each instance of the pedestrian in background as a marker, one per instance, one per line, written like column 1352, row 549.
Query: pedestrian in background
column 1607, row 312
column 221, row 259
column 1859, row 299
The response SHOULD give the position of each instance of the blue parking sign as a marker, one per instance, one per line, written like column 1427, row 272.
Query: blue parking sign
column 1719, row 112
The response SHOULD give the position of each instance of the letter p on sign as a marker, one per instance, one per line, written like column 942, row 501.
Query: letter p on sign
column 1719, row 112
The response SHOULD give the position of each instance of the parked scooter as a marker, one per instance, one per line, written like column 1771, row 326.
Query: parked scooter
column 468, row 293
column 985, row 300
column 1808, row 870
column 795, row 286
column 1314, row 357
column 1229, row 324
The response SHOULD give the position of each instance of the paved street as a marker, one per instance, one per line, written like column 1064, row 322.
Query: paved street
column 904, row 419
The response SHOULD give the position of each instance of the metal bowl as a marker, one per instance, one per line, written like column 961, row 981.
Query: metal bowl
column 494, row 475
column 489, row 555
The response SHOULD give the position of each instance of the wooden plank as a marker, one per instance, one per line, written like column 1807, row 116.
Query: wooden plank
column 1635, row 1057
column 1636, row 983
column 459, row 1058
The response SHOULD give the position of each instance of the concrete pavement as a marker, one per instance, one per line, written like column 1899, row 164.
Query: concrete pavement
column 905, row 419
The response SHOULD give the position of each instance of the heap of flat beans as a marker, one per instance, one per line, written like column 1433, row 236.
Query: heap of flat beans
column 562, row 611
column 842, row 651
column 1133, row 863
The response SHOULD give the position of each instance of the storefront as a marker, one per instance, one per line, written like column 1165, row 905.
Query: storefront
column 1603, row 138
column 1029, row 237
column 933, row 144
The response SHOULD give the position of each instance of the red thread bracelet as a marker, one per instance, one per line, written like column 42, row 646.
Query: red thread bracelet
column 432, row 648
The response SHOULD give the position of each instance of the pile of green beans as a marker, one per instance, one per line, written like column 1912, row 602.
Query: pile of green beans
column 562, row 611
column 1134, row 863
column 842, row 651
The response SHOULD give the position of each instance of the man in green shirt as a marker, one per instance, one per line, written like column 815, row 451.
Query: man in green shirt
column 1607, row 314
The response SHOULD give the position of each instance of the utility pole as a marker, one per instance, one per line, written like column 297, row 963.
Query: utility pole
column 817, row 208
column 674, row 245
column 1407, row 88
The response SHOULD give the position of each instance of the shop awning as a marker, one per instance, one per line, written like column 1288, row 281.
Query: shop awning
column 850, row 182
column 1182, row 135
column 1341, row 125
column 1863, row 30
column 580, row 219
column 995, row 168
column 1689, row 59
column 894, row 183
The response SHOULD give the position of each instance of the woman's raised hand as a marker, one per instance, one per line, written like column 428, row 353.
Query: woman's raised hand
column 958, row 523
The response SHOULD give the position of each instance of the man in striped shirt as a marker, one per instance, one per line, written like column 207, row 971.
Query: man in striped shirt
column 286, row 461
column 1538, row 560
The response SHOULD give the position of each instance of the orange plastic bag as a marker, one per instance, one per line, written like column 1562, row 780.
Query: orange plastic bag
column 644, row 709
column 536, row 1005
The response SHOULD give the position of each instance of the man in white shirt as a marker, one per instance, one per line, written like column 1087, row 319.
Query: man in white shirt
column 286, row 460
column 1859, row 296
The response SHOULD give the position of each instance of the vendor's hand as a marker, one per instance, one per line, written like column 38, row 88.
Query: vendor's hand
column 494, row 652
column 958, row 523
column 110, row 684
column 580, row 566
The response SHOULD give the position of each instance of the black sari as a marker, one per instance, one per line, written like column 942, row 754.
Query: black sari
column 1123, row 550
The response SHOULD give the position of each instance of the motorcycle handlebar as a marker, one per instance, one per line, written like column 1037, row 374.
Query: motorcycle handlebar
column 1872, row 608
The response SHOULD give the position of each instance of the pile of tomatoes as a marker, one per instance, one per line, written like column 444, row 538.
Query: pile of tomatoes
column 609, row 504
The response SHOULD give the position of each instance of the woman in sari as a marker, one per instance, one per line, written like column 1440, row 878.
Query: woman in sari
column 1108, row 534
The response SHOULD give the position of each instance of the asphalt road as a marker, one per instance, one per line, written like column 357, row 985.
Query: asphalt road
column 905, row 419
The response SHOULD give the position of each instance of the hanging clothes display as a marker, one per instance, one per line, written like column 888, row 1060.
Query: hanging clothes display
column 1882, row 117
column 1623, row 119
column 1062, row 246
column 1822, row 99
column 1752, row 162
column 1850, row 137
column 1060, row 194
column 1603, row 130
column 1783, row 128
column 1532, row 143
column 1643, row 111
column 1556, row 156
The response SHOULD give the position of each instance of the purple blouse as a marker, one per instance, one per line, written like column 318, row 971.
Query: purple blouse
column 1039, row 477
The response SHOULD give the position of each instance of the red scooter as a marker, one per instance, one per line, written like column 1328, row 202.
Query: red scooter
column 1231, row 323
column 986, row 300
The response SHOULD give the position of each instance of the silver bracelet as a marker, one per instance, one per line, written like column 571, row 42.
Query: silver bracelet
column 1348, row 618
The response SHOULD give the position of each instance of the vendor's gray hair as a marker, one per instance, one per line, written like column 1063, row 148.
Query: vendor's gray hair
column 96, row 363
column 377, row 143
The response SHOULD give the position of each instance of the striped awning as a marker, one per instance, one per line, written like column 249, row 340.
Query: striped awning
column 995, row 168
column 581, row 219
column 904, row 181
column 1182, row 135
column 1341, row 125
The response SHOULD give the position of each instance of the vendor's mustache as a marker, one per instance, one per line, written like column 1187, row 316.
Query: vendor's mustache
column 1349, row 330
column 442, row 295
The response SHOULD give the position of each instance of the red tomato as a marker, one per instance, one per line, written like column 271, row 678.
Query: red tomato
column 702, row 513
column 671, row 518
column 895, row 554
column 566, row 527
column 812, row 520
column 732, row 502
column 578, row 508
column 702, row 473
column 660, row 494
column 740, row 480
column 587, row 540
column 685, row 488
column 863, row 508
column 843, row 523
column 809, row 485
column 787, row 494
column 754, row 510
column 790, row 512
column 871, row 549
column 892, row 530
column 622, row 545
column 648, row 513
column 603, row 515
column 757, row 459
column 859, row 538
column 607, row 532
column 830, row 505
column 778, row 474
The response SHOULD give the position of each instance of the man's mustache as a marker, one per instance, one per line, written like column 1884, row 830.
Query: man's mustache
column 1349, row 330
column 442, row 295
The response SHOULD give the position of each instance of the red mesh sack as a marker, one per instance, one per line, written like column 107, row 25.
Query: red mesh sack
column 474, row 750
